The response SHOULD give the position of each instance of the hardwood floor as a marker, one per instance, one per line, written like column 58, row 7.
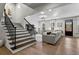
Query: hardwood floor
column 65, row 46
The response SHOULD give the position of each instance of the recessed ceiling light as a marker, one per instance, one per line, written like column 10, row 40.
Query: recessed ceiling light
column 55, row 14
column 19, row 6
column 28, row 16
column 42, row 12
column 43, row 16
column 50, row 10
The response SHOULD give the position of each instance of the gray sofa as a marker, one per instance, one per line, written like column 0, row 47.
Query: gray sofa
column 52, row 38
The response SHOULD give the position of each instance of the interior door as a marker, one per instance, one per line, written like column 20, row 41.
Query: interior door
column 69, row 27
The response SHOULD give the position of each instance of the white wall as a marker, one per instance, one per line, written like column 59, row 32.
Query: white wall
column 33, row 20
column 2, row 33
column 2, row 5
column 76, row 27
column 22, row 12
column 12, row 8
column 19, row 11
column 56, row 27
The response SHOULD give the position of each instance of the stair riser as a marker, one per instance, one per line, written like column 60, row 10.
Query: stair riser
column 19, row 46
column 22, row 42
column 5, row 28
column 18, row 31
column 25, row 47
column 22, row 38
column 17, row 34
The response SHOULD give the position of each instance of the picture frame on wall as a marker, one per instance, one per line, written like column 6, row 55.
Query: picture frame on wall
column 59, row 24
column 52, row 26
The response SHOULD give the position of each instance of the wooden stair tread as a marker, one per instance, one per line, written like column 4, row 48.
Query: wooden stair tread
column 19, row 46
column 12, row 43
column 19, row 37
column 18, row 34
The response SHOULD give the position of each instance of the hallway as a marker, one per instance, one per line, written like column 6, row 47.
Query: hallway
column 65, row 46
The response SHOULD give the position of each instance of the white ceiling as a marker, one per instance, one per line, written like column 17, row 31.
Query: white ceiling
column 38, row 7
column 35, row 5
column 43, row 6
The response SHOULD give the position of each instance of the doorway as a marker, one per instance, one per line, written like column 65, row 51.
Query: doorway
column 69, row 27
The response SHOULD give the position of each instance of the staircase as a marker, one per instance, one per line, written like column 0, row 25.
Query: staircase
column 17, row 38
column 23, row 40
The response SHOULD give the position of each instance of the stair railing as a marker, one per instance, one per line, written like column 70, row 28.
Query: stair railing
column 11, row 29
column 30, row 27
